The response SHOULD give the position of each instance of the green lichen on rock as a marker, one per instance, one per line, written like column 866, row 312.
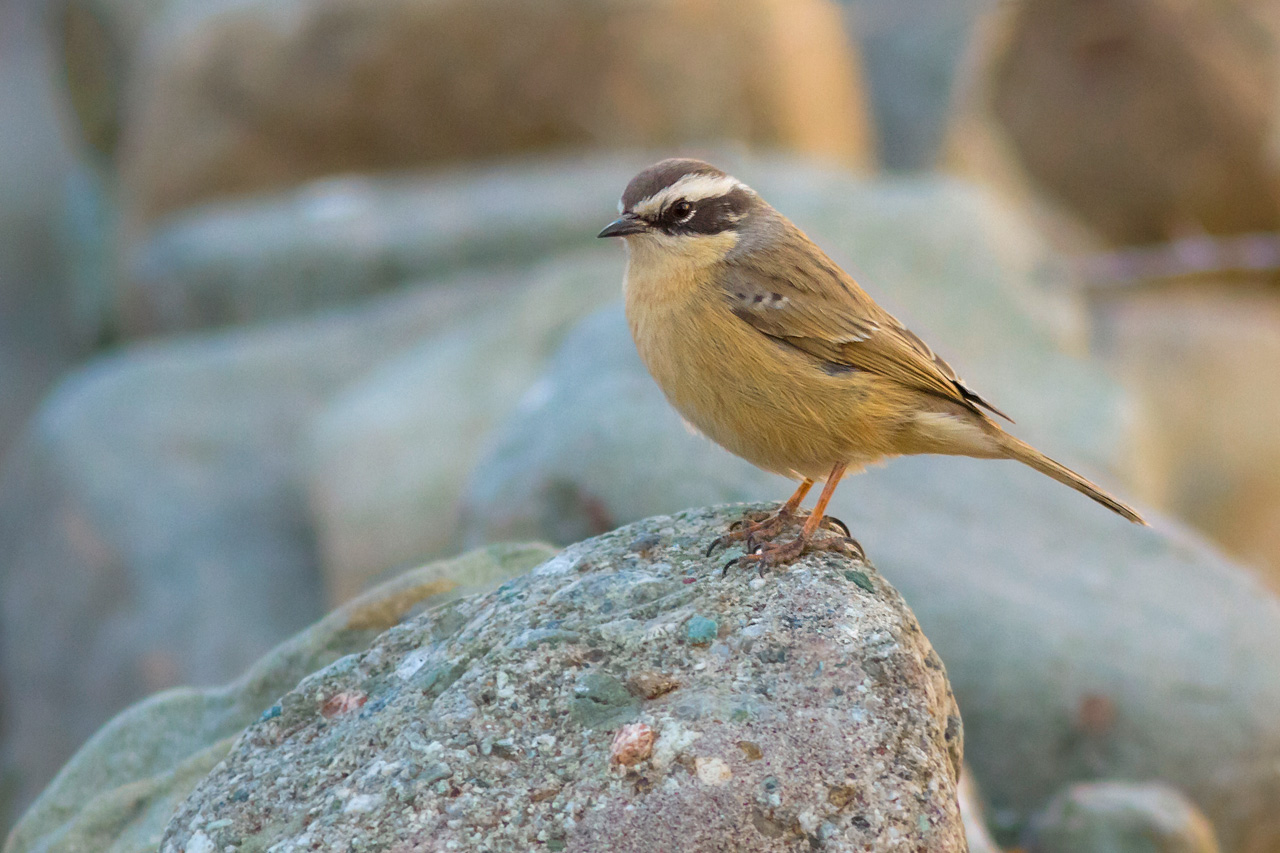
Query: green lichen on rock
column 495, row 722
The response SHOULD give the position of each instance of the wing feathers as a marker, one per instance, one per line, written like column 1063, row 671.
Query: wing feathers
column 820, row 310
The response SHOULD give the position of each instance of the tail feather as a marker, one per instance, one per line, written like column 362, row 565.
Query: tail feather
column 1028, row 455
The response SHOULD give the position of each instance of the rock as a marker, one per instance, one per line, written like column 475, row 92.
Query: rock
column 973, row 813
column 820, row 715
column 154, row 524
column 120, row 789
column 1122, row 817
column 1144, row 120
column 386, row 460
column 911, row 49
column 243, row 97
column 337, row 240
column 1203, row 359
column 1079, row 646
column 33, row 344
column 100, row 42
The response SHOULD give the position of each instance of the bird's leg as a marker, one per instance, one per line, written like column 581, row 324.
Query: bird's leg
column 775, row 554
column 769, row 524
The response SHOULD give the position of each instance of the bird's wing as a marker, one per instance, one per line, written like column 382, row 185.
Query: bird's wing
column 797, row 295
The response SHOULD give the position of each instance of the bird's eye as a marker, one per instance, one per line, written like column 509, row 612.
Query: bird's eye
column 682, row 210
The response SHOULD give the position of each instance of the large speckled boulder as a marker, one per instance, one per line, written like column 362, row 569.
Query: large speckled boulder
column 119, row 790
column 627, row 695
column 154, row 524
column 1078, row 645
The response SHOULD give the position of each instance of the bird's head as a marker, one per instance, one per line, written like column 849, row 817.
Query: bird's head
column 686, row 209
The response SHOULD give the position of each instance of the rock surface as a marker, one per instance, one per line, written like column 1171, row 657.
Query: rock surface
column 119, row 791
column 387, row 459
column 1078, row 645
column 154, row 524
column 626, row 695
column 239, row 97
column 1122, row 817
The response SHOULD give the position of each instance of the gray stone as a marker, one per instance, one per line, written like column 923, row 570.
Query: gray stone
column 1121, row 817
column 33, row 343
column 1078, row 645
column 386, row 460
column 853, row 744
column 910, row 49
column 155, row 530
column 339, row 239
column 118, row 792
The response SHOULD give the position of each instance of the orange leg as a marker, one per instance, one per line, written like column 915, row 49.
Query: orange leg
column 793, row 502
column 820, row 508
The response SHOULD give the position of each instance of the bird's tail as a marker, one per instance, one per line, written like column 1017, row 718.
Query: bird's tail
column 1025, row 453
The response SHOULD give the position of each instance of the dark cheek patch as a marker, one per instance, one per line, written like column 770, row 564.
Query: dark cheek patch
column 710, row 216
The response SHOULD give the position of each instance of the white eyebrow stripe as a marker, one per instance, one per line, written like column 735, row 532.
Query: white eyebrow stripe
column 692, row 188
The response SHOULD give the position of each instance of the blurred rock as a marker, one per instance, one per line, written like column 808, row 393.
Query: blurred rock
column 1143, row 119
column 972, row 812
column 154, row 523
column 86, row 241
column 242, row 97
column 1122, row 817
column 120, row 789
column 386, row 460
column 818, row 717
column 336, row 240
column 34, row 347
column 1203, row 357
column 99, row 43
column 911, row 50
column 1079, row 646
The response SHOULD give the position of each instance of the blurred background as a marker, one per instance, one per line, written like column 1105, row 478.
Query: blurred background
column 297, row 293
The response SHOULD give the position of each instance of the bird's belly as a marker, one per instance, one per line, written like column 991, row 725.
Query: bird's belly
column 762, row 400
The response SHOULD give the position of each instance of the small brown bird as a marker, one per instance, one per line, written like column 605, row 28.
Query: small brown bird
column 766, row 346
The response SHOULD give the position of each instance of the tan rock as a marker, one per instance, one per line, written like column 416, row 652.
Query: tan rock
column 257, row 95
column 972, row 814
column 1204, row 360
column 1124, row 817
column 1143, row 119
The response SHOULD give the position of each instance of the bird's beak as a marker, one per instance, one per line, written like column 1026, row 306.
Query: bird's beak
column 626, row 224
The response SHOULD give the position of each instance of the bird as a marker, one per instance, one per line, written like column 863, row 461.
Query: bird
column 765, row 345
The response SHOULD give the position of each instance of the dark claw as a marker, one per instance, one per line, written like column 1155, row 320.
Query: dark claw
column 715, row 543
column 832, row 521
column 728, row 566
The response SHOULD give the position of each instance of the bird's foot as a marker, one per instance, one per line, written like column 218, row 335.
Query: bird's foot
column 775, row 555
column 757, row 526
